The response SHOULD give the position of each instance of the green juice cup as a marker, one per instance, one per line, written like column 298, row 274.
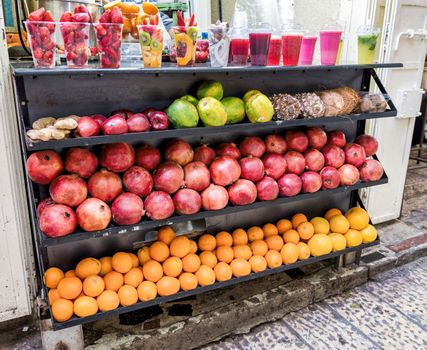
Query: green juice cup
column 367, row 38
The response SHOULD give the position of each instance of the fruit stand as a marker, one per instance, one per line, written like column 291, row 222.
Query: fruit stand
column 62, row 92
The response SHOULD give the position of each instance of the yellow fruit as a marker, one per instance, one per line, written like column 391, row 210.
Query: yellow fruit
column 129, row 8
column 191, row 263
column 113, row 281
column 259, row 247
column 172, row 266
column 143, row 255
column 180, row 247
column 320, row 225
column 208, row 259
column 205, row 275
column 254, row 233
column 135, row 260
column 62, row 310
column 274, row 242
column 52, row 276
column 239, row 237
column 274, row 259
column 339, row 224
column 106, row 266
column 147, row 290
column 297, row 219
column 159, row 251
column 242, row 252
column 188, row 281
column 224, row 239
column 369, row 234
column 87, row 267
column 258, row 263
column 121, row 262
column 305, row 230
column 70, row 288
column 85, row 306
column 225, row 254
column 108, row 300
column 304, row 251
column 166, row 234
column 240, row 267
column 110, row 5
column 289, row 253
column 353, row 238
column 223, row 272
column 127, row 295
column 167, row 286
column 332, row 212
column 291, row 236
column 284, row 225
column 149, row 8
column 320, row 244
column 152, row 270
column 270, row 230
column 338, row 241
column 93, row 285
column 134, row 277
column 358, row 218
column 207, row 242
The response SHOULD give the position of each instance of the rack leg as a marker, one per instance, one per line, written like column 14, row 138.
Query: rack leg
column 339, row 263
column 69, row 338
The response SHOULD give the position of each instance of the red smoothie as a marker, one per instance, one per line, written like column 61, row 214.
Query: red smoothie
column 274, row 51
column 259, row 43
column 291, row 45
column 239, row 49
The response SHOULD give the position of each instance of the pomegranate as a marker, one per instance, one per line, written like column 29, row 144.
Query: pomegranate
column 330, row 177
column 127, row 209
column 196, row 176
column 148, row 110
column 124, row 113
column 93, row 215
column 267, row 189
column 179, row 151
column 87, row 127
column 148, row 157
column 158, row 120
column 44, row 166
column 70, row 190
column 168, row 177
column 115, row 125
column 369, row 143
column 251, row 168
column 275, row 144
column 336, row 138
column 81, row 161
column 354, row 154
column 159, row 205
column 105, row 185
column 334, row 156
column 295, row 162
column 349, row 175
column 252, row 146
column 371, row 170
column 117, row 157
column 242, row 192
column 44, row 203
column 224, row 171
column 204, row 154
column 187, row 201
column 296, row 141
column 99, row 118
column 138, row 180
column 314, row 159
column 214, row 197
column 289, row 185
column 311, row 182
column 138, row 123
column 274, row 165
column 228, row 149
column 57, row 220
column 317, row 138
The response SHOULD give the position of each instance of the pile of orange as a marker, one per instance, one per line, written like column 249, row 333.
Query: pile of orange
column 175, row 263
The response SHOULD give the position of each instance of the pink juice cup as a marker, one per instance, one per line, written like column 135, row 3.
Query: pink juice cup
column 259, row 44
column 329, row 44
column 308, row 45
column 274, row 51
column 291, row 44
column 239, row 50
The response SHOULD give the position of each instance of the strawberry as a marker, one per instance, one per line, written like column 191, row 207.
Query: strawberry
column 81, row 18
column 48, row 17
column 93, row 51
column 81, row 9
column 116, row 16
column 67, row 16
column 37, row 15
column 100, row 31
column 38, row 53
column 154, row 20
column 106, row 17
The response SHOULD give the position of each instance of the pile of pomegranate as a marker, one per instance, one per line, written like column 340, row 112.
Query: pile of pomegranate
column 123, row 184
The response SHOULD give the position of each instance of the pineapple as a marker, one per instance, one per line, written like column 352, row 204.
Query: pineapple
column 286, row 107
column 311, row 105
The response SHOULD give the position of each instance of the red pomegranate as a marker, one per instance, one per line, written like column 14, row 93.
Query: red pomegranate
column 99, row 118
column 187, row 201
column 168, row 177
column 124, row 113
column 204, row 154
column 274, row 165
column 196, row 176
column 115, row 125
column 330, row 178
column 275, row 144
column 369, row 143
column 159, row 205
column 252, row 146
column 267, row 189
column 242, row 192
column 57, row 220
column 93, row 215
column 138, row 180
column 354, row 154
column 336, row 138
column 148, row 110
column 317, row 138
column 295, row 162
column 148, row 157
column 334, row 156
column 127, row 209
column 138, row 123
column 296, row 141
column 70, row 190
column 87, row 127
column 371, row 170
column 105, row 185
column 44, row 166
column 251, row 168
column 228, row 149
column 214, row 197
column 117, row 157
column 311, row 182
column 314, row 159
column 224, row 171
column 179, row 151
column 44, row 203
column 81, row 162
column 158, row 119
column 349, row 175
column 289, row 185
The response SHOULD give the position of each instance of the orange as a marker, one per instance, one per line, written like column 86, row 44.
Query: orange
column 143, row 255
column 298, row 219
column 258, row 263
column 291, row 236
column 305, row 230
column 106, row 266
column 87, row 267
column 274, row 259
column 133, row 277
column 129, row 7
column 127, row 295
column 108, row 300
column 207, row 242
column 332, row 212
column 270, row 230
column 188, row 281
column 93, row 285
column 304, row 251
column 149, row 8
column 208, row 259
column 70, row 273
column 339, row 224
column 121, row 262
column 240, row 267
column 259, row 247
column 225, row 254
column 193, row 246
column 320, row 244
column 369, row 234
column 53, row 295
column 353, row 238
column 284, row 225
column 159, row 251
column 223, row 272
column 52, row 276
column 180, row 246
column 135, row 260
column 289, row 253
column 242, row 252
column 191, row 262
column 358, row 218
column 127, row 25
column 205, row 275
column 224, row 238
column 167, row 286
column 113, row 280
column 172, row 266
column 338, row 241
column 239, row 236
column 152, row 270
column 85, row 306
column 254, row 233
column 274, row 242
column 147, row 290
column 62, row 310
column 166, row 234
column 320, row 225
column 70, row 287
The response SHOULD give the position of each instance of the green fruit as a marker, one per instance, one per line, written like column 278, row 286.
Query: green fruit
column 211, row 112
column 192, row 32
column 182, row 114
column 194, row 101
column 249, row 94
column 259, row 109
column 210, row 88
column 144, row 38
column 235, row 109
column 155, row 44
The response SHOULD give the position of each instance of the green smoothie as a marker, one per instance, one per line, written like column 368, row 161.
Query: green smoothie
column 366, row 45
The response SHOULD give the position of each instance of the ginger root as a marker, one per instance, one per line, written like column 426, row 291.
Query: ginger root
column 40, row 135
column 58, row 134
column 65, row 123
column 43, row 123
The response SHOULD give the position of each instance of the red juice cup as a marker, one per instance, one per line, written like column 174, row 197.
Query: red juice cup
column 274, row 51
column 185, row 43
column 239, row 49
column 291, row 44
column 41, row 36
column 109, row 37
column 76, row 43
column 151, row 41
column 306, row 54
column 330, row 38
column 259, row 44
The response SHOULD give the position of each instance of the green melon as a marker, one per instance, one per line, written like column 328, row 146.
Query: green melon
column 235, row 108
column 211, row 112
column 249, row 94
column 194, row 101
column 182, row 114
column 259, row 109
column 210, row 88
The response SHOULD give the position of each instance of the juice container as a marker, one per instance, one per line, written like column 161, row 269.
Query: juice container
column 185, row 43
column 151, row 41
column 274, row 51
column 367, row 37
column 239, row 50
column 308, row 45
column 330, row 37
column 291, row 44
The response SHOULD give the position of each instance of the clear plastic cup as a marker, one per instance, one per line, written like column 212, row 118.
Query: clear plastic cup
column 367, row 37
column 330, row 37
column 259, row 43
column 185, row 43
column 308, row 46
column 151, row 41
column 42, row 42
column 76, row 43
column 219, row 45
column 274, row 50
column 291, row 44
column 109, row 37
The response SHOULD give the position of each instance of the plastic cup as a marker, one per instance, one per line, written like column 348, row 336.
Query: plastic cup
column 219, row 45
column 42, row 42
column 185, row 43
column 109, row 37
column 259, row 44
column 367, row 37
column 151, row 41
column 330, row 37
column 76, row 43
column 239, row 50
column 274, row 51
column 306, row 54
